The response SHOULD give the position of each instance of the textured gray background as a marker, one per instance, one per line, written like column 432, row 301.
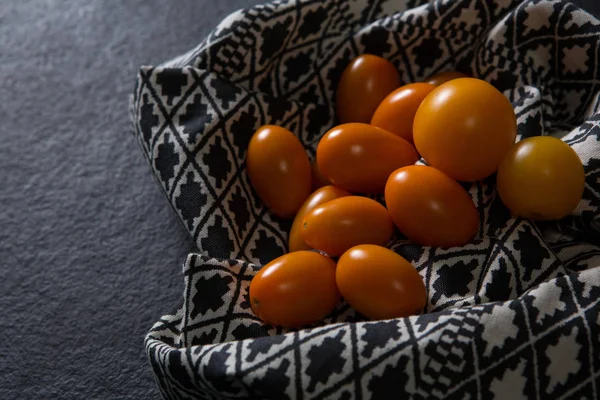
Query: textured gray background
column 90, row 251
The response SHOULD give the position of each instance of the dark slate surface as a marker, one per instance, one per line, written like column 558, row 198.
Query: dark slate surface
column 90, row 251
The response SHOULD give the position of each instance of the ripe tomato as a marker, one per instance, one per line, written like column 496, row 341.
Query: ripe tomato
column 318, row 179
column 362, row 86
column 339, row 224
column 541, row 178
column 397, row 111
column 379, row 283
column 360, row 157
column 464, row 128
column 279, row 169
column 295, row 289
column 443, row 77
column 430, row 208
column 320, row 196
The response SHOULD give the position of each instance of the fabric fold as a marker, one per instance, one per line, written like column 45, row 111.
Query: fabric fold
column 514, row 314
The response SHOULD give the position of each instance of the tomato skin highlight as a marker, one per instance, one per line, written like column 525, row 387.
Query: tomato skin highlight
column 541, row 178
column 348, row 221
column 363, row 84
column 359, row 157
column 445, row 76
column 396, row 112
column 464, row 128
column 295, row 290
column 279, row 169
column 318, row 197
column 379, row 283
column 430, row 208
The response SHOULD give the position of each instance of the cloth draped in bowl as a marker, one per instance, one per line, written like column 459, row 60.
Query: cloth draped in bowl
column 514, row 314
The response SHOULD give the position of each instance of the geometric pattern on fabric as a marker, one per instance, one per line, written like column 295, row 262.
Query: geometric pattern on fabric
column 514, row 314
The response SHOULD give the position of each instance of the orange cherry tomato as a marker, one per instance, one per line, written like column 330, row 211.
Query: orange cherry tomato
column 295, row 289
column 443, row 77
column 279, row 169
column 318, row 179
column 339, row 224
column 379, row 283
column 363, row 84
column 541, row 178
column 464, row 128
column 430, row 208
column 397, row 111
column 319, row 196
column 360, row 157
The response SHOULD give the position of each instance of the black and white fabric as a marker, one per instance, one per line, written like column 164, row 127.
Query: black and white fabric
column 514, row 314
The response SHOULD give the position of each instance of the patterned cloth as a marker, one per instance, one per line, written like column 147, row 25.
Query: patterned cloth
column 515, row 314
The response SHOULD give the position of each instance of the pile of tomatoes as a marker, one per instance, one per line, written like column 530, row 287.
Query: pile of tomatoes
column 463, row 128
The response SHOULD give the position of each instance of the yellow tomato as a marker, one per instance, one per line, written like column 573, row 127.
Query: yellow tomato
column 541, row 178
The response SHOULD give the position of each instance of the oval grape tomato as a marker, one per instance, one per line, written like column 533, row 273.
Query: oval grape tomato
column 360, row 157
column 379, row 283
column 430, row 208
column 397, row 111
column 339, row 224
column 295, row 289
column 279, row 169
column 318, row 197
column 363, row 84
